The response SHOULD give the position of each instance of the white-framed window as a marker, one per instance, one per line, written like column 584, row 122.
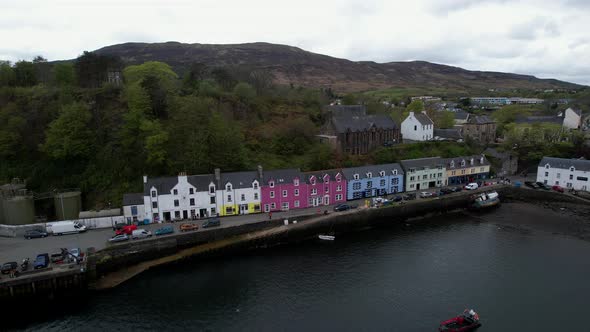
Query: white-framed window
column 572, row 169
column 175, row 191
column 273, row 206
column 228, row 187
column 546, row 174
column 339, row 187
column 272, row 194
column 547, row 166
column 558, row 175
column 382, row 183
column 191, row 191
column 571, row 176
column 314, row 191
column 192, row 202
column 327, row 189
column 339, row 197
column 312, row 181
column 356, row 186
column 356, row 176
column 255, row 185
column 296, row 182
column 271, row 184
column 255, row 196
column 382, row 173
column 569, row 185
column 284, row 193
column 394, row 172
column 176, row 202
column 212, row 190
column 326, row 179
column 481, row 169
column 412, row 185
column 338, row 178
column 212, row 200
column 285, row 206
column 369, row 175
column 296, row 204
column 243, row 197
column 154, row 193
column 229, row 198
column 266, row 208
column 154, row 205
column 296, row 192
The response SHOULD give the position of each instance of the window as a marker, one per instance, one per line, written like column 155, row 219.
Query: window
column 229, row 198
column 545, row 181
column 415, row 127
column 327, row 189
column 266, row 208
column 154, row 205
column 369, row 184
column 569, row 185
column 296, row 192
column 412, row 178
column 285, row 206
column 452, row 164
column 284, row 193
column 462, row 163
column 571, row 176
column 412, row 185
column 558, row 175
column 296, row 182
column 255, row 185
column 213, row 211
column 175, row 191
column 369, row 175
column 255, row 196
column 546, row 174
column 212, row 200
column 273, row 206
column 462, row 171
column 339, row 197
column 154, row 194
column 339, row 188
column 326, row 179
column 191, row 191
column 296, row 203
column 547, row 166
column 338, row 178
column 356, row 176
column 440, row 175
column 395, row 181
column 271, row 184
column 212, row 190
column 243, row 197
column 557, row 183
column 192, row 201
column 453, row 172
column 382, row 183
column 481, row 169
column 312, row 181
column 228, row 187
column 176, row 202
column 272, row 194
column 356, row 186
column 356, row 195
column 424, row 177
column 229, row 210
column 571, row 169
column 394, row 172
column 314, row 191
column 581, row 178
column 382, row 173
column 412, row 170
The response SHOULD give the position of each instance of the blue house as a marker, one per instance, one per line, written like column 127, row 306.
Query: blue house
column 373, row 180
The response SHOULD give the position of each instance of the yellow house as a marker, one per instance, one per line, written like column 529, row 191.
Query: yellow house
column 463, row 170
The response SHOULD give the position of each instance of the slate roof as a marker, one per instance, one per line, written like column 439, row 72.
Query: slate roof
column 423, row 119
column 461, row 116
column 457, row 160
column 201, row 182
column 163, row 185
column 374, row 169
column 452, row 134
column 320, row 174
column 480, row 119
column 563, row 163
column 432, row 162
column 133, row 199
column 540, row 119
column 347, row 110
column 282, row 175
column 239, row 179
column 360, row 123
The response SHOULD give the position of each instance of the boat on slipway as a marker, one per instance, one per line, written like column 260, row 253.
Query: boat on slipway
column 485, row 200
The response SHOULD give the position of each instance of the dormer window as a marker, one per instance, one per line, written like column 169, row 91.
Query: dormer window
column 462, row 163
column 326, row 179
column 312, row 181
column 369, row 175
column 382, row 173
column 228, row 187
column 212, row 189
column 271, row 184
column 255, row 185
column 394, row 172
column 471, row 161
column 296, row 182
column 154, row 193
column 481, row 160
column 356, row 176
column 547, row 166
column 452, row 163
column 175, row 191
column 572, row 169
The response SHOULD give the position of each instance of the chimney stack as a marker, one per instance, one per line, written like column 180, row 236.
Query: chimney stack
column 218, row 176
column 260, row 172
column 145, row 179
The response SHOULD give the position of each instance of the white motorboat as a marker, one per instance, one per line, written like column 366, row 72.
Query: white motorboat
column 327, row 237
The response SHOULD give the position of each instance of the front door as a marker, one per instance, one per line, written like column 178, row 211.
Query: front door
column 244, row 209
column 417, row 186
column 185, row 214
column 203, row 213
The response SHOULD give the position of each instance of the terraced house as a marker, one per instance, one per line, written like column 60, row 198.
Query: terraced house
column 424, row 173
column 238, row 192
column 283, row 189
column 373, row 180
column 567, row 173
column 325, row 188
column 461, row 170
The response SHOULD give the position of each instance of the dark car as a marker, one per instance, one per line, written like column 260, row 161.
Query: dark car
column 35, row 233
column 342, row 207
column 397, row 198
column 7, row 267
column 409, row 196
column 41, row 262
column 531, row 184
column 446, row 191
column 164, row 230
column 213, row 222
column 543, row 186
column 558, row 189
column 456, row 189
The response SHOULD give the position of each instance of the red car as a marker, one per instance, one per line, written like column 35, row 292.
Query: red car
column 558, row 189
column 126, row 230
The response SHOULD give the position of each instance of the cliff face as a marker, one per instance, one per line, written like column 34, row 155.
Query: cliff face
column 292, row 65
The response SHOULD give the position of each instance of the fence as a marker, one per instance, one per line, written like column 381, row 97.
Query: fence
column 90, row 223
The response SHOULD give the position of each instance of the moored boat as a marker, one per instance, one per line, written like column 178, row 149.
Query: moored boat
column 486, row 199
column 467, row 321
column 327, row 237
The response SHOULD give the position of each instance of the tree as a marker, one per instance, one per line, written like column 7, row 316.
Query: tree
column 64, row 74
column 92, row 69
column 245, row 92
column 69, row 136
column 160, row 70
column 226, row 144
column 7, row 76
column 157, row 95
column 444, row 119
column 11, row 130
column 25, row 74
column 415, row 106
column 223, row 77
column 349, row 99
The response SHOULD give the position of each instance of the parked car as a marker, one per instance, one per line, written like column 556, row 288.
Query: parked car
column 397, row 198
column 531, row 184
column 543, row 186
column 57, row 258
column 127, row 230
column 188, row 227
column 456, row 189
column 409, row 196
column 140, row 234
column 41, row 262
column 471, row 186
column 425, row 194
column 342, row 207
column 76, row 252
column 164, row 230
column 35, row 233
column 119, row 238
column 558, row 189
column 446, row 191
column 10, row 266
column 213, row 222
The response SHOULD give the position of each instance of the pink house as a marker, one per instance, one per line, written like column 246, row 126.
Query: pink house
column 282, row 190
column 325, row 188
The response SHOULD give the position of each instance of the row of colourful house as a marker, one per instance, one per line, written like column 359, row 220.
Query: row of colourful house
column 224, row 194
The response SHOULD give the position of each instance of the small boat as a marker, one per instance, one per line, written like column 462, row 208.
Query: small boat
column 327, row 237
column 485, row 200
column 467, row 321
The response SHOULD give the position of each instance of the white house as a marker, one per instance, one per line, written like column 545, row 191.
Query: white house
column 572, row 118
column 133, row 207
column 417, row 127
column 238, row 192
column 566, row 173
column 424, row 173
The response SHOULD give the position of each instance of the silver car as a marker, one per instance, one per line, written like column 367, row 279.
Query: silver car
column 425, row 194
column 119, row 238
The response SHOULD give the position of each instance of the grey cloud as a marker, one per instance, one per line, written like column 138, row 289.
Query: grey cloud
column 531, row 29
column 448, row 6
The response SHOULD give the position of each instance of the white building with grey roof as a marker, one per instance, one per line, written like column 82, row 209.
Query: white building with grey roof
column 424, row 173
column 417, row 127
column 566, row 173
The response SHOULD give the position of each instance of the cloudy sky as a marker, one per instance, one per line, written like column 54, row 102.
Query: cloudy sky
column 545, row 38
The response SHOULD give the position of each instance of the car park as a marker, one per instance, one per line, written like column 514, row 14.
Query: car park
column 342, row 207
column 140, row 234
column 188, row 227
column 471, row 186
column 35, row 233
column 425, row 194
column 164, row 230
column 213, row 222
column 119, row 238
column 41, row 262
column 558, row 189
column 9, row 267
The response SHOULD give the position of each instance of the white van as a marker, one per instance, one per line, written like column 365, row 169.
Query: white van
column 140, row 234
column 472, row 186
column 66, row 227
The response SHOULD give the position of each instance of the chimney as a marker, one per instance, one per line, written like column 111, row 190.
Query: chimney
column 481, row 159
column 471, row 161
column 218, row 176
column 260, row 172
column 145, row 179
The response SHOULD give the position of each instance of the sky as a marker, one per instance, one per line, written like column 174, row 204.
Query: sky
column 544, row 38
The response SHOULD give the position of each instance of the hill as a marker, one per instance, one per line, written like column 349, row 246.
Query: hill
column 292, row 65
